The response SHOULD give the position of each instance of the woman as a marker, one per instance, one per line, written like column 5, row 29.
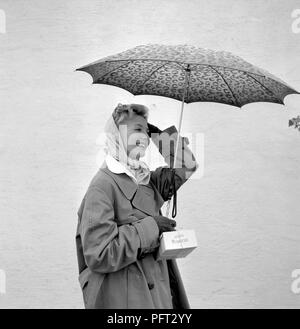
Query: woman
column 120, row 221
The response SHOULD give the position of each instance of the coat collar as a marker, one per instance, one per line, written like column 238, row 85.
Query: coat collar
column 117, row 167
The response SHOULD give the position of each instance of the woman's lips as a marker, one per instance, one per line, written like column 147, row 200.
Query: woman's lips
column 141, row 144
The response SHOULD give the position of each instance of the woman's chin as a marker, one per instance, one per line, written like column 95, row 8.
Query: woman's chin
column 142, row 153
column 139, row 152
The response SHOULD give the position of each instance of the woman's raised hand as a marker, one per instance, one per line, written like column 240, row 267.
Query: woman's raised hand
column 153, row 129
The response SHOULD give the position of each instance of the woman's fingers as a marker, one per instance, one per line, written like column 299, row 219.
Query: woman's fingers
column 165, row 224
column 173, row 223
column 170, row 225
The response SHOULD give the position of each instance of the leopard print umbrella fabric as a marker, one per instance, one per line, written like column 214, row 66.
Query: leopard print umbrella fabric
column 202, row 75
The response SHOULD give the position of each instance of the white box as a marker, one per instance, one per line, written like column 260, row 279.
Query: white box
column 176, row 244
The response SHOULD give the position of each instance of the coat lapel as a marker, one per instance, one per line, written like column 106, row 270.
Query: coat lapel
column 125, row 183
column 143, row 197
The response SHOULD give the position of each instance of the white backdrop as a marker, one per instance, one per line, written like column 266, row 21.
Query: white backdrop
column 245, row 208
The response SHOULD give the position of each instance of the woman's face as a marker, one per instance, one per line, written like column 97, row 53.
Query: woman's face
column 134, row 134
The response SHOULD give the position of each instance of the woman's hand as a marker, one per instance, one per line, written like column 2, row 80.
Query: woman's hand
column 153, row 130
column 164, row 224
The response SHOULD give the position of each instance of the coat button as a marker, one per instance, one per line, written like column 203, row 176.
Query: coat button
column 150, row 285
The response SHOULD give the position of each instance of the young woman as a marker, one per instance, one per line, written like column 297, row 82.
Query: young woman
column 120, row 221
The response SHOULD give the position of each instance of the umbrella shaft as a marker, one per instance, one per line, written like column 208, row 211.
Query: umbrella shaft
column 186, row 85
column 187, row 74
column 179, row 130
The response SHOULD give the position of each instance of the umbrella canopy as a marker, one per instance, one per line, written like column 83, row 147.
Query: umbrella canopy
column 188, row 73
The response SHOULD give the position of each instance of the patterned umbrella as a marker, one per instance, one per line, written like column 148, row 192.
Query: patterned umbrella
column 190, row 74
column 197, row 74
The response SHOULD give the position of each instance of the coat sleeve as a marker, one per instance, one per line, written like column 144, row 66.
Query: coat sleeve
column 108, row 247
column 185, row 164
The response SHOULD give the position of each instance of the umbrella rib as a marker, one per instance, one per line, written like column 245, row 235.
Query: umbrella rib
column 269, row 90
column 148, row 78
column 127, row 62
column 231, row 91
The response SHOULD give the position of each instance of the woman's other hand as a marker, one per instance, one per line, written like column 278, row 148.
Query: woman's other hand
column 164, row 224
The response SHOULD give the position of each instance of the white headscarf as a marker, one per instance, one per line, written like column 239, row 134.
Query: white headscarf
column 114, row 146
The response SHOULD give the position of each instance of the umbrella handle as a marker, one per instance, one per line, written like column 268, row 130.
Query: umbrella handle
column 174, row 210
column 186, row 83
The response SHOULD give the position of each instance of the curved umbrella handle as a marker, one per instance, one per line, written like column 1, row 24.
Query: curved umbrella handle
column 174, row 209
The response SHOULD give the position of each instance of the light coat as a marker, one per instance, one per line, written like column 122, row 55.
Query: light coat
column 117, row 238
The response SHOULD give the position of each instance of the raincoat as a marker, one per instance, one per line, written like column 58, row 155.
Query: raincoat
column 117, row 237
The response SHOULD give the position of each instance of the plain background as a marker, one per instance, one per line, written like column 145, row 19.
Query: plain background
column 245, row 209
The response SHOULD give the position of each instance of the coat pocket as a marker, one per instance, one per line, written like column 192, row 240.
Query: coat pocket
column 84, row 281
column 90, row 283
